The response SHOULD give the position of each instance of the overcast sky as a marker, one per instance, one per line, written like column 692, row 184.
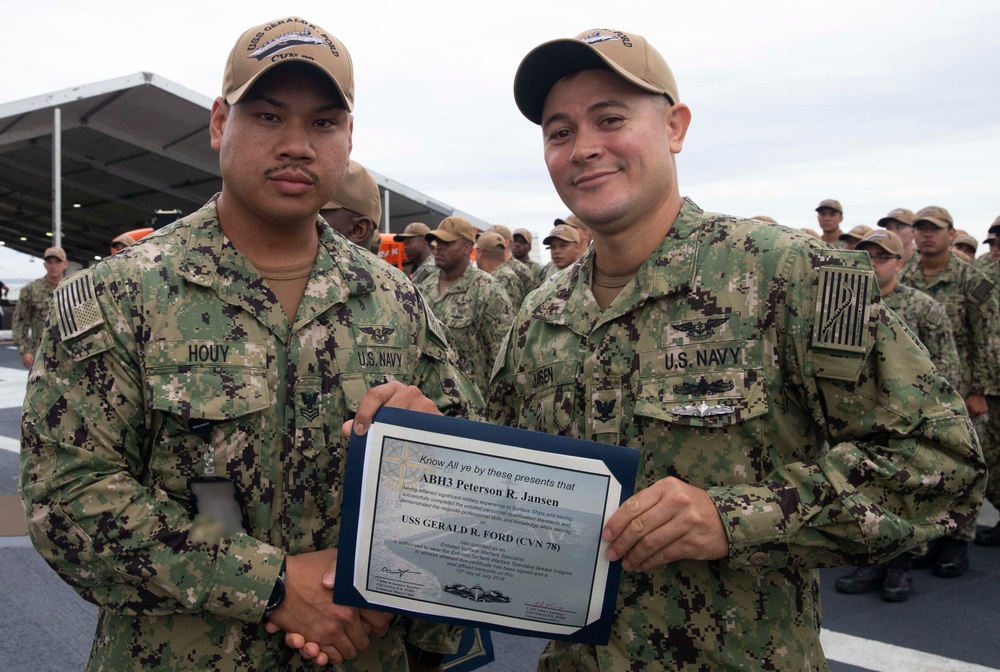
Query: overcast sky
column 880, row 104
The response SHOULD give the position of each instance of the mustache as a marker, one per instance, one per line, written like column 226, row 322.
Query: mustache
column 294, row 166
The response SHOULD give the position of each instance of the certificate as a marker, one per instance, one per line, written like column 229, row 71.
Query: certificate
column 466, row 522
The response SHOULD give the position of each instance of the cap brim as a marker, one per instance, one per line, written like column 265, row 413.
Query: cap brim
column 441, row 235
column 547, row 63
column 236, row 95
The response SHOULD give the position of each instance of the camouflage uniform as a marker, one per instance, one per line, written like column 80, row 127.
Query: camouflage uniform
column 423, row 270
column 524, row 274
column 929, row 320
column 712, row 364
column 477, row 312
column 511, row 284
column 537, row 274
column 991, row 430
column 33, row 305
column 183, row 328
column 974, row 313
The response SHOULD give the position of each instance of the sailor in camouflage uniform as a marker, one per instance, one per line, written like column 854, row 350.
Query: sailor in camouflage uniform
column 470, row 302
column 192, row 357
column 989, row 264
column 974, row 312
column 734, row 352
column 490, row 251
column 520, row 248
column 520, row 269
column 929, row 320
column 33, row 303
column 416, row 251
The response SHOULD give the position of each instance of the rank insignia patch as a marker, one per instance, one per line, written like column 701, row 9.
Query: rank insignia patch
column 842, row 308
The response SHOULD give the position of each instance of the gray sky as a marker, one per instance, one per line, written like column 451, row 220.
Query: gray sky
column 880, row 104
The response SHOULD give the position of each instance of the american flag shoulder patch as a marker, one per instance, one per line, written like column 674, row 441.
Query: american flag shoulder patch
column 76, row 306
column 842, row 309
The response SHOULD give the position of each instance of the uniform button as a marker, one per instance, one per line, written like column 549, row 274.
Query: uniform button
column 758, row 559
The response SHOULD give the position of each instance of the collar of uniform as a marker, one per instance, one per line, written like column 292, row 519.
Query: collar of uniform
column 670, row 269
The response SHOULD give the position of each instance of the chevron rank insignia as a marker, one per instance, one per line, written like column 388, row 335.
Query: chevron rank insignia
column 76, row 307
column 842, row 309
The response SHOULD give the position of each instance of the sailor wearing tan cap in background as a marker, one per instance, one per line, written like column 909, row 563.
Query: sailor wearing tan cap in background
column 522, row 272
column 900, row 222
column 854, row 236
column 971, row 300
column 491, row 252
column 829, row 214
column 417, row 253
column 469, row 301
column 520, row 248
column 966, row 245
column 217, row 361
column 563, row 242
column 33, row 305
column 989, row 263
column 929, row 320
column 356, row 209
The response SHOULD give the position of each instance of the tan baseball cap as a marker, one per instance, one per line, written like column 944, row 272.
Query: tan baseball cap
column 858, row 232
column 491, row 240
column 57, row 252
column 358, row 193
column 412, row 230
column 934, row 214
column 562, row 232
column 963, row 238
column 502, row 230
column 453, row 228
column 282, row 41
column 990, row 238
column 830, row 203
column 887, row 240
column 901, row 215
column 524, row 233
column 626, row 54
column 574, row 221
column 995, row 226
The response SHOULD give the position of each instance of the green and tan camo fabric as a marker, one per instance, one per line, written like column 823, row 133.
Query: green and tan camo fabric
column 33, row 305
column 930, row 322
column 973, row 309
column 423, row 270
column 737, row 353
column 511, row 284
column 524, row 274
column 182, row 327
column 477, row 312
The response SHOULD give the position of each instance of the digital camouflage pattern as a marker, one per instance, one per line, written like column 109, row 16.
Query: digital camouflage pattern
column 477, row 312
column 537, row 274
column 33, row 305
column 181, row 328
column 929, row 320
column 524, row 274
column 991, row 429
column 973, row 309
column 511, row 284
column 736, row 353
column 423, row 270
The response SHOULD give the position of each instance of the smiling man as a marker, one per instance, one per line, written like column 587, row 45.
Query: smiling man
column 787, row 420
column 182, row 461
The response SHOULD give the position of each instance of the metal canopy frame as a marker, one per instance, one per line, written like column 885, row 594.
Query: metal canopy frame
column 82, row 165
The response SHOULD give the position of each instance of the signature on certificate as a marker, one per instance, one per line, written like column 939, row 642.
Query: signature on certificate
column 399, row 572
